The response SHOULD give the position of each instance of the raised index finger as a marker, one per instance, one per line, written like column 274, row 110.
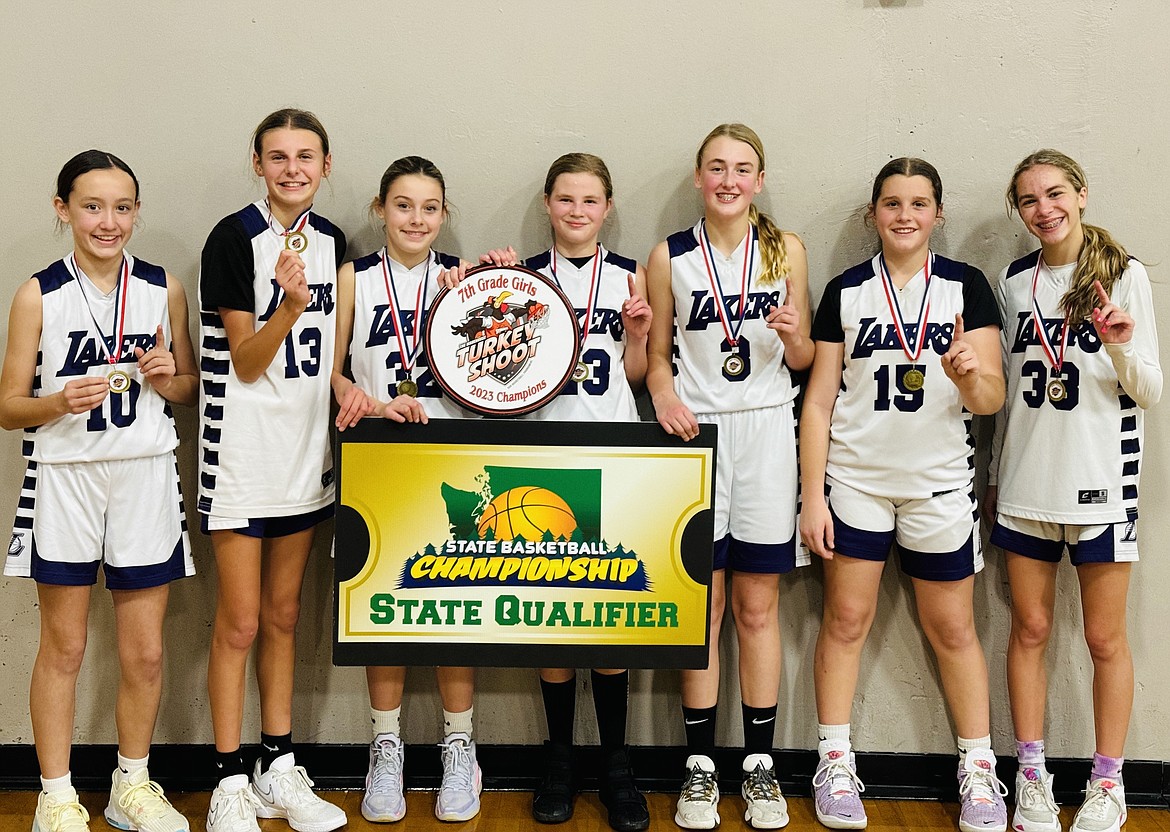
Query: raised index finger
column 1102, row 295
column 633, row 286
column 959, row 330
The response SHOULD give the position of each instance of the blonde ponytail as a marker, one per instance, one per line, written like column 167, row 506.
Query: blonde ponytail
column 1101, row 258
column 773, row 252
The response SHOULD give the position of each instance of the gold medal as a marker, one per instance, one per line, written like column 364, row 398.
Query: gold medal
column 407, row 387
column 119, row 381
column 1057, row 392
column 296, row 241
column 580, row 372
column 734, row 365
column 913, row 379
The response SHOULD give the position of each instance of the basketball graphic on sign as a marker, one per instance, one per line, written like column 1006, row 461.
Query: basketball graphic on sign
column 527, row 512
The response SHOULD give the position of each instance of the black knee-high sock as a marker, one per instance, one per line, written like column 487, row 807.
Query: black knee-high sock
column 759, row 729
column 560, row 707
column 611, row 694
column 273, row 746
column 700, row 727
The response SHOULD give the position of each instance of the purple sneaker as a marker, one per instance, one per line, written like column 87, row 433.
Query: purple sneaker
column 981, row 794
column 837, row 788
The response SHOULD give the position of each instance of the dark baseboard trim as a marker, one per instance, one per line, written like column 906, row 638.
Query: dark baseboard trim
column 519, row 767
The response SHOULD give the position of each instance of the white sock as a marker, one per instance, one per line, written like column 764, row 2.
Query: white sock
column 831, row 737
column 459, row 723
column 386, row 722
column 56, row 785
column 966, row 745
column 130, row 765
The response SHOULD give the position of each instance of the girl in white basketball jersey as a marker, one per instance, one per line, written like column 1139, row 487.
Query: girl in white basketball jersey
column 607, row 290
column 1082, row 366
column 97, row 351
column 731, row 295
column 907, row 348
column 383, row 300
column 266, row 475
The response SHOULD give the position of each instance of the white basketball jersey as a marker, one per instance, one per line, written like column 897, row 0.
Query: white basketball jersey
column 378, row 340
column 1076, row 458
column 80, row 329
column 706, row 381
column 893, row 433
column 265, row 449
column 605, row 394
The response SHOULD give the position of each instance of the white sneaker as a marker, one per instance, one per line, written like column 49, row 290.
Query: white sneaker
column 458, row 797
column 60, row 812
column 766, row 807
column 383, row 801
column 1103, row 809
column 1036, row 809
column 233, row 806
column 285, row 791
column 138, row 803
column 698, row 805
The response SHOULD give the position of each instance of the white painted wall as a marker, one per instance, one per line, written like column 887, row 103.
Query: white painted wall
column 492, row 92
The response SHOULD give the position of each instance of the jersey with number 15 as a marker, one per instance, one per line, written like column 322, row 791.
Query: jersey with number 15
column 899, row 428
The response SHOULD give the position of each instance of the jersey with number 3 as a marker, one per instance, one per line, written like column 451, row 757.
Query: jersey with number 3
column 264, row 444
column 705, row 382
column 75, row 315
column 376, row 346
column 892, row 435
column 1076, row 458
column 605, row 394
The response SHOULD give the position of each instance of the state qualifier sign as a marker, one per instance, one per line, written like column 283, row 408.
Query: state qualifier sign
column 503, row 342
column 539, row 544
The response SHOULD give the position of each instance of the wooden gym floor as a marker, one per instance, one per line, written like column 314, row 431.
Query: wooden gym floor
column 509, row 812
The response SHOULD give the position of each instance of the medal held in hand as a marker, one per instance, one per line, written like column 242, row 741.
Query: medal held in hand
column 118, row 380
column 296, row 241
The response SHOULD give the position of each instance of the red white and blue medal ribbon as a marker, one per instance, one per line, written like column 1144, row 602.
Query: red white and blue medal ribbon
column 1055, row 355
column 594, row 289
column 914, row 378
column 420, row 301
column 119, row 380
column 294, row 236
column 731, row 329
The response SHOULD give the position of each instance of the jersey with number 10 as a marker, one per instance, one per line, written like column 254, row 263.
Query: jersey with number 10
column 890, row 435
column 127, row 425
column 264, row 444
